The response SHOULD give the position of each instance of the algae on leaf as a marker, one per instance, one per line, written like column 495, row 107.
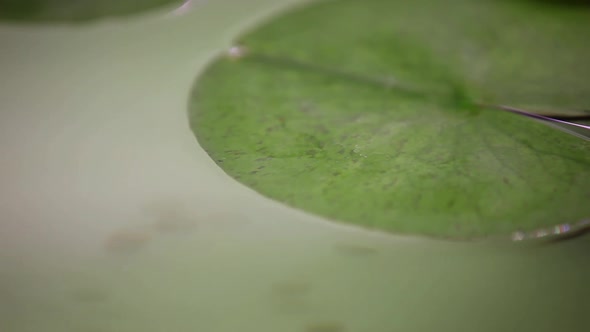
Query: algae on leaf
column 367, row 112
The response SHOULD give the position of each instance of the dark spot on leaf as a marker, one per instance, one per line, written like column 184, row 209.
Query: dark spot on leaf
column 322, row 129
column 389, row 185
column 306, row 107
column 311, row 153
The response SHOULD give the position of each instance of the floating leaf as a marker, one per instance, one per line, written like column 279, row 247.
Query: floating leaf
column 73, row 10
column 367, row 112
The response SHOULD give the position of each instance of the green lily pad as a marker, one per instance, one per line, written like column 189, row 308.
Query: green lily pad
column 368, row 112
column 73, row 10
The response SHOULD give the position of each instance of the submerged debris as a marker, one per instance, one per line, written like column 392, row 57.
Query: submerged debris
column 355, row 250
column 174, row 225
column 325, row 327
column 127, row 241
column 90, row 295
column 291, row 288
column 290, row 297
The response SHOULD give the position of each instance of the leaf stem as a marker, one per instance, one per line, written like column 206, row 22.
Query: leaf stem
column 572, row 128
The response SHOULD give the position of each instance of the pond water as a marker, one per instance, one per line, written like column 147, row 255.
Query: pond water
column 114, row 219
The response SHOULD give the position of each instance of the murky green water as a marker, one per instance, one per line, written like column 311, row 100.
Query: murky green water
column 114, row 219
